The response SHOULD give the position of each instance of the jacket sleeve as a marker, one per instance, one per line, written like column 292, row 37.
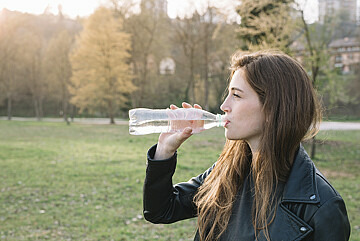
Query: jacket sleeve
column 331, row 222
column 164, row 202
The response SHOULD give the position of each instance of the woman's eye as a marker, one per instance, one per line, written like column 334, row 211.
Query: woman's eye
column 237, row 96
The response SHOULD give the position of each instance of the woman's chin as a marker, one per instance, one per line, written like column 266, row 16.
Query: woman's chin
column 229, row 136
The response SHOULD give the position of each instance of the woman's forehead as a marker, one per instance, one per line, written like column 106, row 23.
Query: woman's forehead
column 237, row 79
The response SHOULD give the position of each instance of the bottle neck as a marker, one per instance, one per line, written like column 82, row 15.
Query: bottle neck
column 220, row 120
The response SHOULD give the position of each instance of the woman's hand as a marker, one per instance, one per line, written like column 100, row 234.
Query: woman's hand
column 168, row 143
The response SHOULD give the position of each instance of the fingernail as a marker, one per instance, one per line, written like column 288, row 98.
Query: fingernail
column 188, row 130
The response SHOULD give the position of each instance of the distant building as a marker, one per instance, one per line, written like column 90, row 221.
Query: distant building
column 167, row 66
column 345, row 53
column 329, row 7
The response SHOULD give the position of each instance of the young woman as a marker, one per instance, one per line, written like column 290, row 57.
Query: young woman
column 264, row 185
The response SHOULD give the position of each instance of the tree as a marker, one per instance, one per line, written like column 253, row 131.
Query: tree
column 149, row 46
column 101, row 74
column 265, row 24
column 32, row 65
column 9, row 56
column 187, row 35
column 316, row 39
column 194, row 46
column 208, row 28
column 224, row 43
column 340, row 89
column 123, row 8
column 58, row 68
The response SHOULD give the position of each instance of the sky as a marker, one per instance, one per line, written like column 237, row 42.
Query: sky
column 83, row 8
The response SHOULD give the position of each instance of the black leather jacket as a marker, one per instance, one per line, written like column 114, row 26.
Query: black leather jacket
column 310, row 208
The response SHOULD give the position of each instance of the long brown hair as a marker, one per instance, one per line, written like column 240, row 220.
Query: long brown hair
column 292, row 113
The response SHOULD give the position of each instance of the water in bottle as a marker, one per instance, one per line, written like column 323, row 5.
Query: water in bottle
column 146, row 121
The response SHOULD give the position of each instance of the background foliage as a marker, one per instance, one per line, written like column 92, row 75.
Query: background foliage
column 36, row 73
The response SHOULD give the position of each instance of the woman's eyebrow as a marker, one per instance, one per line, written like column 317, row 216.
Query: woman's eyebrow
column 238, row 89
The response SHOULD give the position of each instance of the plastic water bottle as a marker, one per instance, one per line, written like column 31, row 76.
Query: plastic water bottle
column 146, row 121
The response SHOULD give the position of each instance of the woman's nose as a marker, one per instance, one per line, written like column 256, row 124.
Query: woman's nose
column 224, row 106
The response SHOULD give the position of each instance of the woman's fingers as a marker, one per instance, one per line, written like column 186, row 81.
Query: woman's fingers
column 197, row 106
column 173, row 107
column 187, row 105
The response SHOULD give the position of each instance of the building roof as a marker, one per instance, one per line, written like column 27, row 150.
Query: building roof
column 344, row 42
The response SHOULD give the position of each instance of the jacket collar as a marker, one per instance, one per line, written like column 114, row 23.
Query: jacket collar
column 301, row 185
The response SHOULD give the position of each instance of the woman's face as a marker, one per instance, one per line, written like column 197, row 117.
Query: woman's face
column 244, row 117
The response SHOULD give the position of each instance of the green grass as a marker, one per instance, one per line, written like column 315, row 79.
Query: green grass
column 84, row 182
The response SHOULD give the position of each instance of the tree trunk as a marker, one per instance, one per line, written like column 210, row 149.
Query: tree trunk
column 134, row 95
column 36, row 107
column 73, row 110
column 41, row 110
column 111, row 112
column 65, row 112
column 9, row 107
column 65, row 105
column 192, row 79
column 112, row 120
column 206, row 81
column 207, row 46
column 313, row 148
column 143, row 81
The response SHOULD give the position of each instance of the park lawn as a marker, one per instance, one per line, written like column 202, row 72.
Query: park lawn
column 84, row 182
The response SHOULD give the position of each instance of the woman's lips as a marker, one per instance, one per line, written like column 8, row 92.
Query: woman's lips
column 226, row 123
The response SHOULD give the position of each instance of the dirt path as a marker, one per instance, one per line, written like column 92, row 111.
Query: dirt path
column 340, row 125
column 103, row 121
